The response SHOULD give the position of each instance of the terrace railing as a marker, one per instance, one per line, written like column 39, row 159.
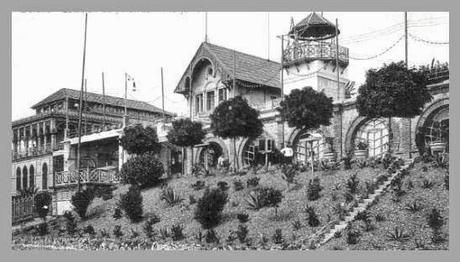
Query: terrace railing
column 98, row 176
column 314, row 51
column 22, row 208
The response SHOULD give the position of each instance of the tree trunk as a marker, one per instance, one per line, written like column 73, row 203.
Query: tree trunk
column 235, row 159
column 390, row 136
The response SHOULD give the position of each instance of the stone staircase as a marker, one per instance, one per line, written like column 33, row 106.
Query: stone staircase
column 364, row 204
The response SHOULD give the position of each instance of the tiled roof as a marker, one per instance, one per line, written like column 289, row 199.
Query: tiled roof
column 98, row 98
column 314, row 26
column 248, row 68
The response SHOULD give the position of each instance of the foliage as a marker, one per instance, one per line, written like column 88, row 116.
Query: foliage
column 380, row 217
column 117, row 231
column 117, row 213
column 307, row 108
column 347, row 161
column 289, row 173
column 253, row 182
column 42, row 229
column 446, row 180
column 242, row 233
column 42, row 202
column 435, row 219
column 198, row 185
column 164, row 233
column 353, row 236
column 296, row 225
column 427, row 184
column 362, row 163
column 340, row 210
column 170, row 197
column 210, row 206
column 191, row 200
column 238, row 185
column 177, row 232
column 314, row 188
column 148, row 226
column 104, row 234
column 144, row 171
column 393, row 91
column 186, row 133
column 89, row 229
column 278, row 236
column 312, row 217
column 398, row 234
column 222, row 185
column 139, row 140
column 81, row 201
column 211, row 236
column 134, row 233
column 413, row 206
column 71, row 223
column 242, row 217
column 352, row 183
column 131, row 203
column 362, row 145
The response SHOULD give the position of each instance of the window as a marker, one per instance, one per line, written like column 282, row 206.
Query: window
column 222, row 94
column 210, row 101
column 375, row 134
column 18, row 179
column 31, row 177
column 45, row 176
column 199, row 103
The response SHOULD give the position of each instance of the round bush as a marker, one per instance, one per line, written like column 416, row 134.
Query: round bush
column 81, row 200
column 209, row 208
column 143, row 171
column 131, row 203
column 42, row 202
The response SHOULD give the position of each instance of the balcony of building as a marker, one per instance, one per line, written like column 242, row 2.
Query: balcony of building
column 309, row 51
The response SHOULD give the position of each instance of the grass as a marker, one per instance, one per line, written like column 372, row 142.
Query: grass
column 264, row 221
column 414, row 223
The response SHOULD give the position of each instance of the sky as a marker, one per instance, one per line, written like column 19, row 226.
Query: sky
column 47, row 48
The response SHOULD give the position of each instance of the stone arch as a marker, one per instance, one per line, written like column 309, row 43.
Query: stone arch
column 45, row 176
column 215, row 140
column 246, row 141
column 31, row 176
column 201, row 61
column 431, row 110
column 18, row 178
column 352, row 130
column 426, row 122
column 294, row 137
column 24, row 178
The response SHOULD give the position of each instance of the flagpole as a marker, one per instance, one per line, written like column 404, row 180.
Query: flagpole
column 126, row 98
column 162, row 94
column 103, row 102
column 85, row 107
column 77, row 164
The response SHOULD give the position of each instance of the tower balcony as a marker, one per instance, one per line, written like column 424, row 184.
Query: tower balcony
column 310, row 51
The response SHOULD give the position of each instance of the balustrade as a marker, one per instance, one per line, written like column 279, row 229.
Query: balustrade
column 315, row 50
column 98, row 175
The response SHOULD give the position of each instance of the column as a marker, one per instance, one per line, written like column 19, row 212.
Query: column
column 120, row 155
column 53, row 133
column 45, row 139
column 39, row 142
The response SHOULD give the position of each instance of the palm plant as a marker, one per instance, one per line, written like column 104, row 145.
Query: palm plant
column 170, row 197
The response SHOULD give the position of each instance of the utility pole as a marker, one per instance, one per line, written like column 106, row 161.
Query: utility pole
column 103, row 102
column 338, row 77
column 162, row 95
column 85, row 107
column 126, row 101
column 206, row 27
column 282, row 90
column 406, row 56
column 81, row 105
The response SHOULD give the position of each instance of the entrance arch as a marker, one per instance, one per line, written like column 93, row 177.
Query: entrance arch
column 433, row 124
column 304, row 147
column 253, row 149
column 214, row 143
column 212, row 152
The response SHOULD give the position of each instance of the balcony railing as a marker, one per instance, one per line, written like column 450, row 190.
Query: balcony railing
column 268, row 105
column 36, row 151
column 314, row 51
column 98, row 175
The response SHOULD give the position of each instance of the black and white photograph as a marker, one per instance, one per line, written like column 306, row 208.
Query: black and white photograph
column 309, row 130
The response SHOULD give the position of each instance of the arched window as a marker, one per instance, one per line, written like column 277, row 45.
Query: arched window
column 375, row 134
column 45, row 176
column 31, row 176
column 254, row 150
column 18, row 179
column 24, row 178
column 308, row 144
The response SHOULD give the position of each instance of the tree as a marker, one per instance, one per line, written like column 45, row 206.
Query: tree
column 393, row 91
column 234, row 118
column 186, row 133
column 143, row 171
column 139, row 140
column 131, row 203
column 210, row 206
column 81, row 201
column 307, row 108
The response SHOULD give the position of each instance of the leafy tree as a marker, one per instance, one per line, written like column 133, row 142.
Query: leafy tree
column 143, row 170
column 393, row 91
column 81, row 201
column 139, row 140
column 42, row 202
column 307, row 108
column 233, row 119
column 210, row 206
column 131, row 203
column 186, row 133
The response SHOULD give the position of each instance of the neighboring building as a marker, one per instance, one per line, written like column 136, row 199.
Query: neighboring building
column 39, row 151
column 309, row 59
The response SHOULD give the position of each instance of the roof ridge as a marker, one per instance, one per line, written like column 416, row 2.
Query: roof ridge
column 237, row 51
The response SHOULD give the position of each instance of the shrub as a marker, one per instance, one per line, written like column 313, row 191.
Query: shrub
column 71, row 224
column 89, row 229
column 238, row 185
column 42, row 229
column 191, row 200
column 198, row 185
column 104, row 192
column 242, row 233
column 177, row 232
column 380, row 217
column 347, row 161
column 42, row 202
column 340, row 210
column 81, row 201
column 353, row 236
column 210, row 206
column 254, row 201
column 362, row 164
column 413, row 207
column 242, row 217
column 103, row 232
column 338, row 234
column 289, row 173
column 427, row 184
column 148, row 226
column 435, row 219
column 314, row 188
column 296, row 225
column 171, row 198
column 349, row 197
column 133, row 234
column 117, row 231
column 397, row 234
column 278, row 236
column 211, row 236
column 139, row 140
column 352, row 183
column 253, row 182
column 312, row 217
column 164, row 233
column 117, row 213
column 131, row 203
column 144, row 171
column 222, row 185
column 446, row 181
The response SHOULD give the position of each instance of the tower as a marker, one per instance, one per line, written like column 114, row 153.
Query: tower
column 309, row 58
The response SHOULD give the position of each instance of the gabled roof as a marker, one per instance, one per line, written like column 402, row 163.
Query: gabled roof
column 248, row 68
column 98, row 98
